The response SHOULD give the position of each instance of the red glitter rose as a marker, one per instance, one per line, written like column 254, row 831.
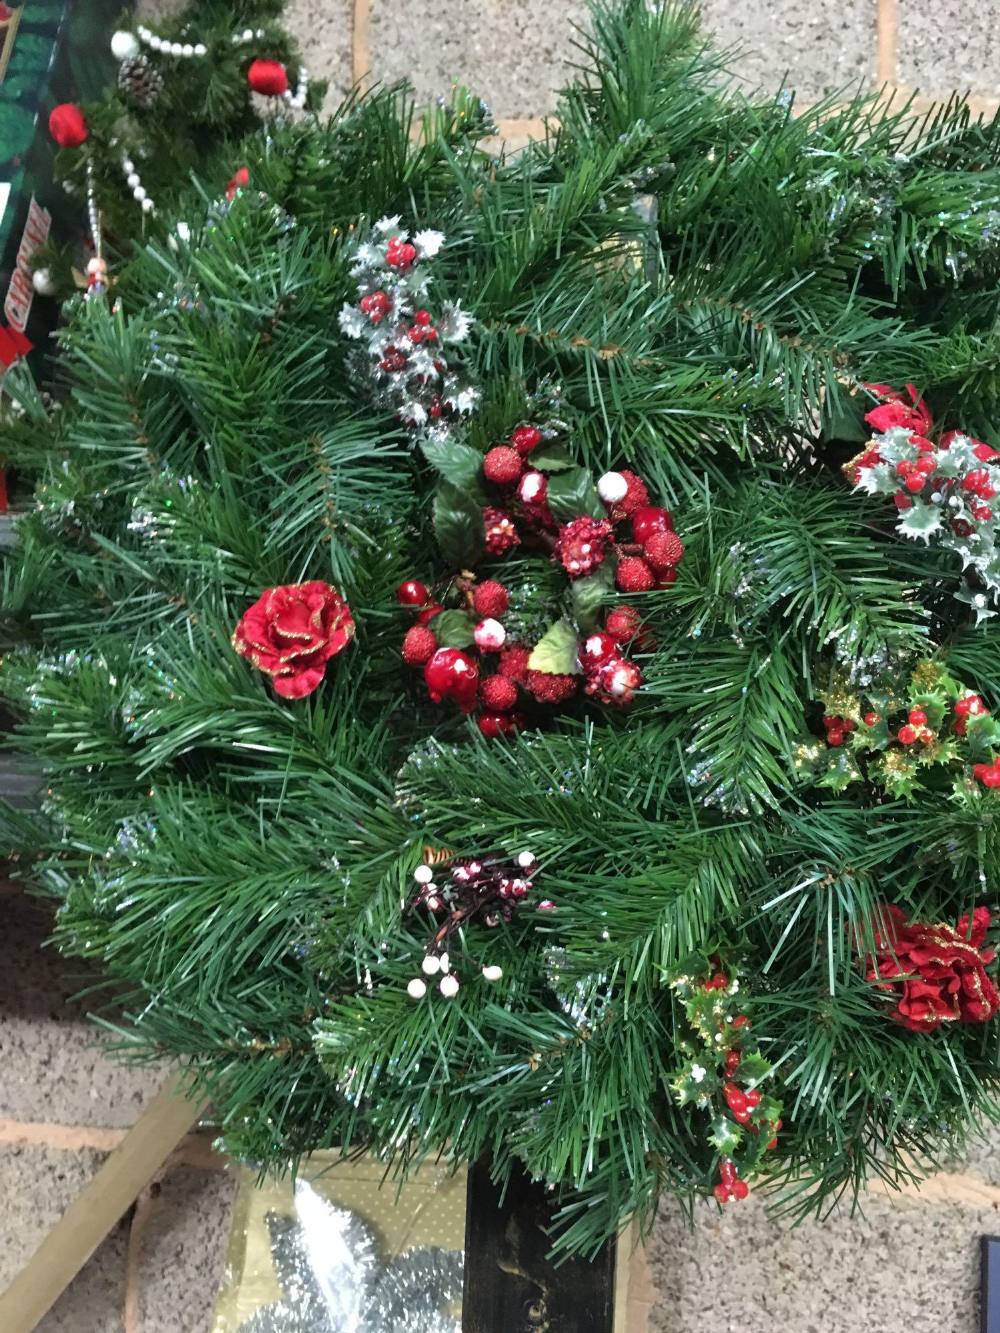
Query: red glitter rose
column 290, row 633
column 937, row 973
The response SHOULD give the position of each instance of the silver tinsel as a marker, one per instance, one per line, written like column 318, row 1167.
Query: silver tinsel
column 335, row 1280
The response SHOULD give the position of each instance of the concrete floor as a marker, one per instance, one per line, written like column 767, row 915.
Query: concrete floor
column 911, row 1265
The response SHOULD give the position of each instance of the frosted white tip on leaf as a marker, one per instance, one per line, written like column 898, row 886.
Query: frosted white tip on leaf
column 124, row 45
column 612, row 487
column 416, row 989
column 428, row 243
column 42, row 282
column 423, row 874
column 183, row 231
column 525, row 859
column 448, row 987
column 385, row 225
column 492, row 972
column 431, row 965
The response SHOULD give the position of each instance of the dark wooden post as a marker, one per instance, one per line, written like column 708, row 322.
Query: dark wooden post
column 510, row 1284
column 989, row 1294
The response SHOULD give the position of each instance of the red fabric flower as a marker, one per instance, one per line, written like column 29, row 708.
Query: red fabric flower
column 936, row 972
column 290, row 633
column 897, row 412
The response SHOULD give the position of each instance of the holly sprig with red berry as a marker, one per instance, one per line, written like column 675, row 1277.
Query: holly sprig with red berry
column 723, row 1077
column 605, row 539
column 944, row 490
column 932, row 730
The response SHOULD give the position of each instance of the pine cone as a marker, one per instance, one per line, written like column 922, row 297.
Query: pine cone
column 140, row 81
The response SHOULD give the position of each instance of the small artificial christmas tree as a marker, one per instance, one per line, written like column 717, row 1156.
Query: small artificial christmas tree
column 182, row 102
column 513, row 660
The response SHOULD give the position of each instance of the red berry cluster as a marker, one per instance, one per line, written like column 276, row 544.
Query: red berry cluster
column 837, row 728
column 494, row 675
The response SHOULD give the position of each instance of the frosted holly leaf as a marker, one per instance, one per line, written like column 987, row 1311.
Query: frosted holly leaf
column 352, row 321
column 455, row 323
column 389, row 227
column 428, row 243
column 921, row 521
column 877, row 480
column 979, row 602
column 950, row 463
column 465, row 400
column 368, row 256
column 413, row 412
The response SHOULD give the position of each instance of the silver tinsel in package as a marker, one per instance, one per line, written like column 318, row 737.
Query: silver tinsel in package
column 337, row 1254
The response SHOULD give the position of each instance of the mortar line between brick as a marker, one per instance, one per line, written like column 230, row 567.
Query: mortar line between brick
column 195, row 1150
column 360, row 53
column 886, row 27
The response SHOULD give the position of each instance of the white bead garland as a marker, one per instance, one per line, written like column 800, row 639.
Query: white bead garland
column 182, row 50
column 124, row 45
column 134, row 182
column 297, row 100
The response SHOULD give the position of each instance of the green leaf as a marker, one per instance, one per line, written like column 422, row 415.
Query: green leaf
column 458, row 463
column 555, row 652
column 588, row 595
column 573, row 493
column 458, row 525
column 453, row 629
column 550, row 460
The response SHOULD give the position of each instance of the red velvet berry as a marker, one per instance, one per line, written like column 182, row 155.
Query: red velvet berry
column 376, row 306
column 581, row 545
column 740, row 1189
column 429, row 612
column 918, row 717
column 525, row 439
column 501, row 534
column 872, row 719
column 596, row 649
column 634, row 498
column 907, row 735
column 514, row 663
column 492, row 725
column 67, row 125
column 453, row 674
column 615, row 682
column 664, row 550
column 419, row 645
column 268, row 77
column 502, row 466
column 551, row 688
column 648, row 520
column 623, row 623
column 412, row 593
column 902, row 501
column 400, row 254
column 634, row 575
column 498, row 693
column 490, row 599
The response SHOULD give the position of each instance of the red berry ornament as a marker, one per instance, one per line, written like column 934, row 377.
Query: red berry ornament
column 419, row 645
column 872, row 719
column 596, row 649
column 648, row 520
column 664, row 551
column 623, row 623
column 581, row 545
column 907, row 735
column 615, row 681
column 501, row 534
column 551, row 688
column 634, row 575
column 492, row 725
column 918, row 717
column 502, row 466
column 525, row 439
column 498, row 693
column 533, row 489
column 376, row 306
column 400, row 254
column 68, row 126
column 412, row 593
column 268, row 77
column 453, row 674
column 636, row 497
column 514, row 663
column 429, row 612
column 490, row 636
column 490, row 598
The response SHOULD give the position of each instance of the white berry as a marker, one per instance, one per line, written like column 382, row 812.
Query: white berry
column 612, row 487
column 416, row 989
column 183, row 231
column 445, row 962
column 124, row 45
column 43, row 282
column 423, row 874
column 431, row 965
column 448, row 987
column 492, row 973
column 525, row 859
column 490, row 635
